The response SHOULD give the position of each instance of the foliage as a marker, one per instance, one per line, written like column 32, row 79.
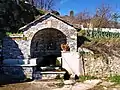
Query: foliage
column 103, row 44
column 41, row 12
column 82, row 33
column 99, row 34
column 13, row 15
column 10, row 33
column 115, row 78
column 55, row 12
column 83, row 78
column 58, row 63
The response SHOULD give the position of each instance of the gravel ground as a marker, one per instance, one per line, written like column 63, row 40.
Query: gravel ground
column 106, row 86
column 32, row 85
column 25, row 86
column 8, row 83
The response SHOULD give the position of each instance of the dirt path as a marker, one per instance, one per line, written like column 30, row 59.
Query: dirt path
column 61, row 85
column 50, row 85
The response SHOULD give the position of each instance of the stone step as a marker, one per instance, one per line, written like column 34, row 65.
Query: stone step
column 48, row 75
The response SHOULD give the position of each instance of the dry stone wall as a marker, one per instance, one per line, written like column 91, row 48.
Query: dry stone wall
column 15, row 49
column 100, row 66
column 19, row 72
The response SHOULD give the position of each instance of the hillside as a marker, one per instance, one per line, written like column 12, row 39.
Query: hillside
column 106, row 49
column 14, row 16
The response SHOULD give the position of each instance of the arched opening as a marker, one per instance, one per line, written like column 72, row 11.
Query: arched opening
column 45, row 46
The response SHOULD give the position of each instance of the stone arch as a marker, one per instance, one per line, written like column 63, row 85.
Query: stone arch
column 46, row 42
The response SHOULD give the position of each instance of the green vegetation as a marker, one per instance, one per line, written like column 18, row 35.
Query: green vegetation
column 99, row 34
column 41, row 12
column 10, row 33
column 115, row 78
column 13, row 15
column 86, row 77
column 102, row 43
column 58, row 63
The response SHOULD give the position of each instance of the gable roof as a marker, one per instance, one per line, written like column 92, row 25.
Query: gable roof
column 41, row 18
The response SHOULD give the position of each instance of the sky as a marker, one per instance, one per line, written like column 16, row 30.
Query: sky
column 65, row 6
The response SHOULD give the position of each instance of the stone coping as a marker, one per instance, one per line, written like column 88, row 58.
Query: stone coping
column 16, row 35
column 53, row 72
column 18, row 62
column 65, row 51
column 16, row 65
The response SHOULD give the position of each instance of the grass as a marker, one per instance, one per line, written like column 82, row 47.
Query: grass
column 10, row 33
column 86, row 77
column 115, row 78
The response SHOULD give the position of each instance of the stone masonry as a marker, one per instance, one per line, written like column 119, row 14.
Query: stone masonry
column 38, row 30
column 41, row 37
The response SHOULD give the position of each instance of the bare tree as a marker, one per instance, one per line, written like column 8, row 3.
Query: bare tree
column 115, row 18
column 102, row 16
column 83, row 18
column 44, row 4
column 41, row 4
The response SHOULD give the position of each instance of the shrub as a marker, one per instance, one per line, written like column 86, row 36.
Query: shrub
column 82, row 32
column 58, row 63
column 99, row 34
column 86, row 77
column 115, row 78
column 41, row 12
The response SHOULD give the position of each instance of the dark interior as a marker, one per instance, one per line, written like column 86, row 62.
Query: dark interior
column 49, row 60
column 46, row 46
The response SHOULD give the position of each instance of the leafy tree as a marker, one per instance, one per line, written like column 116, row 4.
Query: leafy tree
column 14, row 15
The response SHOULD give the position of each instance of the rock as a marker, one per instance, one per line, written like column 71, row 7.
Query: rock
column 106, row 84
column 114, row 89
column 105, row 88
column 79, row 86
column 93, row 82
column 69, row 82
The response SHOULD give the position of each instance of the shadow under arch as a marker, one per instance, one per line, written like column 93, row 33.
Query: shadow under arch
column 46, row 46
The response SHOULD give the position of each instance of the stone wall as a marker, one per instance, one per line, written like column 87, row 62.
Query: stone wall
column 101, row 67
column 29, row 72
column 52, row 22
column 48, row 75
column 15, row 48
column 18, row 72
column 95, row 66
column 38, row 37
